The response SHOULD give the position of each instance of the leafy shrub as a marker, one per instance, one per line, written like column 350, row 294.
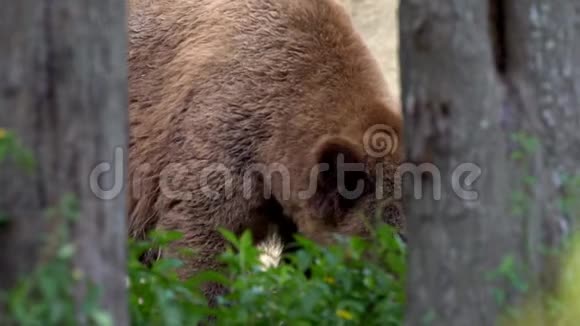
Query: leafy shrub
column 352, row 282
column 46, row 297
column 556, row 307
column 156, row 295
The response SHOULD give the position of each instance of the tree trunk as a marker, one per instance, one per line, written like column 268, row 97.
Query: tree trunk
column 63, row 93
column 495, row 84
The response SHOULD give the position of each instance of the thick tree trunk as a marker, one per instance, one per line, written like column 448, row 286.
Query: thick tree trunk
column 496, row 84
column 63, row 92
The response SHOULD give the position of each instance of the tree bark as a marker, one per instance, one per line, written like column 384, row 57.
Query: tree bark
column 63, row 92
column 496, row 84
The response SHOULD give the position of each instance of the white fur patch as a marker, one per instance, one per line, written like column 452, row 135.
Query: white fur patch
column 271, row 251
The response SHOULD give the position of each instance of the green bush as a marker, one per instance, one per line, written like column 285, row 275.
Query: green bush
column 352, row 282
column 45, row 297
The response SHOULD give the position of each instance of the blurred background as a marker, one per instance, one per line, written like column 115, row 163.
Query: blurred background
column 378, row 22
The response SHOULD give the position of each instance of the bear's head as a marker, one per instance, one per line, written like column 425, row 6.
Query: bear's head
column 349, row 181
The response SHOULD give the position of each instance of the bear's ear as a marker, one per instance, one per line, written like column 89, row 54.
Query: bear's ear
column 342, row 177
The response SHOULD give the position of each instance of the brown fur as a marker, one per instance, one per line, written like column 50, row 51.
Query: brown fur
column 245, row 82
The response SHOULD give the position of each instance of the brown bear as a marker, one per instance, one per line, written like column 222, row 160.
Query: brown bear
column 248, row 114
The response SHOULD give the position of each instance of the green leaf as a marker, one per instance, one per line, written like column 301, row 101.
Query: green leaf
column 231, row 238
column 101, row 318
column 66, row 251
